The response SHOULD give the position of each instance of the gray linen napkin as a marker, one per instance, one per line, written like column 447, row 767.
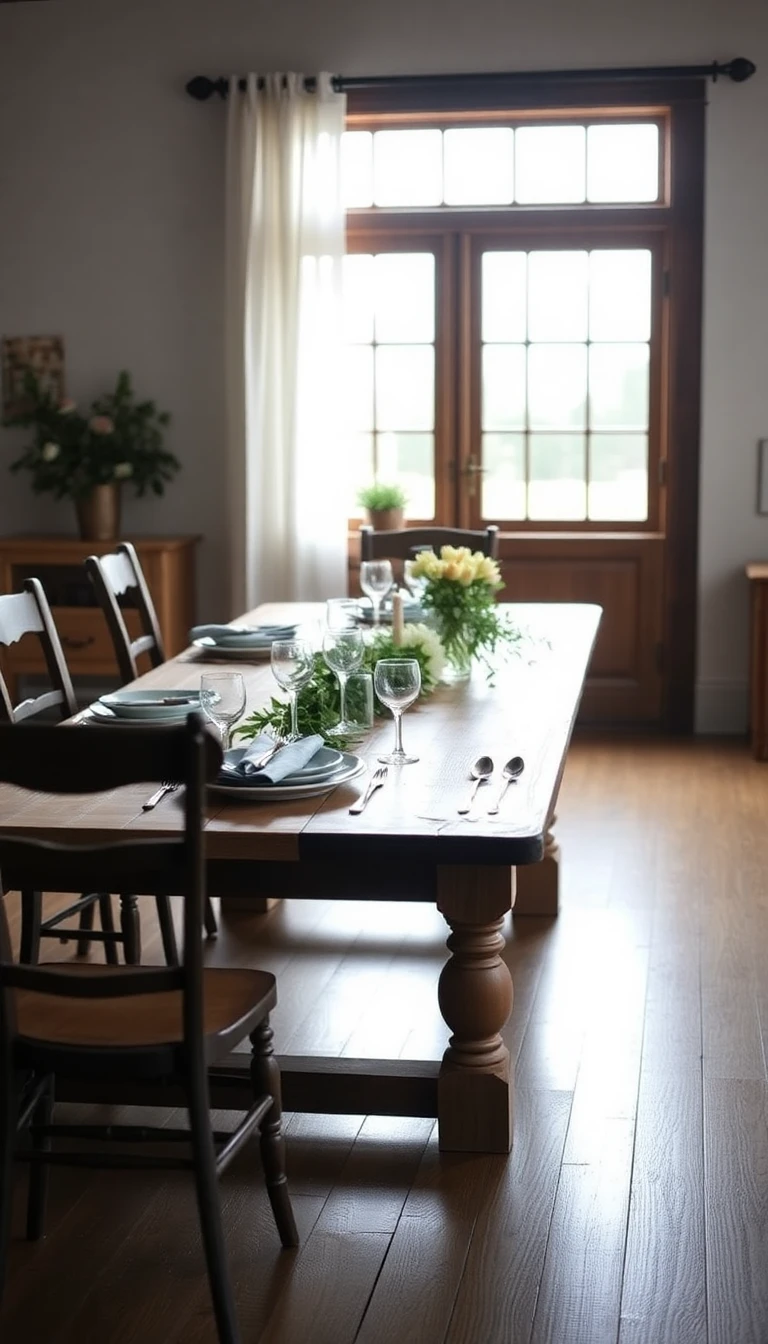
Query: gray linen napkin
column 234, row 634
column 239, row 768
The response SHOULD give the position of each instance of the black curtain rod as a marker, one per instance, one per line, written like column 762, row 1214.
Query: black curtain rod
column 739, row 69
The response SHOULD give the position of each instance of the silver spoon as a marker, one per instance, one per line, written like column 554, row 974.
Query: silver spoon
column 511, row 772
column 480, row 772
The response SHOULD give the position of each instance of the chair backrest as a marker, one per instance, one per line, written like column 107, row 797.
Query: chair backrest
column 61, row 760
column 119, row 575
column 405, row 542
column 28, row 613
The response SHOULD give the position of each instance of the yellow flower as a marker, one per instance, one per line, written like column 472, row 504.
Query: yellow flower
column 466, row 574
column 488, row 570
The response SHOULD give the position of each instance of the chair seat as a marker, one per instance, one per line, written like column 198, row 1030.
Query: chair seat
column 142, row 1020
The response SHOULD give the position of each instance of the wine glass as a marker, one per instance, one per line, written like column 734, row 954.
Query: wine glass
column 293, row 664
column 341, row 613
column 397, row 682
column 343, row 652
column 222, row 697
column 376, row 579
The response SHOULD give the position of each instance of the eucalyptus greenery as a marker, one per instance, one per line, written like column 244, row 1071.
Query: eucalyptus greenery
column 319, row 702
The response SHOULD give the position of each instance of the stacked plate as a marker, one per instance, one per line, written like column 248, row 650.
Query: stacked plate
column 233, row 642
column 412, row 611
column 324, row 771
column 161, row 707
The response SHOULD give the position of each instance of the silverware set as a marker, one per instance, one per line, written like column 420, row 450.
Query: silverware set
column 482, row 773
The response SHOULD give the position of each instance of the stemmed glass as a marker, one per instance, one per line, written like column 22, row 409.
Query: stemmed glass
column 341, row 613
column 222, row 697
column 376, row 579
column 292, row 666
column 343, row 652
column 397, row 682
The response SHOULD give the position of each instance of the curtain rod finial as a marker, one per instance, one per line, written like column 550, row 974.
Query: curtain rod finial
column 202, row 88
column 741, row 69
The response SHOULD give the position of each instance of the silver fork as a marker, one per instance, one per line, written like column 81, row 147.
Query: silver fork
column 375, row 782
column 167, row 786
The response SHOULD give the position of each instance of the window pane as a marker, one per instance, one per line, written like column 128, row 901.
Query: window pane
column 503, row 301
column 409, row 459
column 557, row 387
column 618, row 476
column 408, row 167
column 623, row 163
column 503, row 387
column 479, row 167
column 356, row 168
column 550, row 164
column 358, row 387
column 620, row 295
column 357, row 297
column 360, row 469
column 405, row 296
column 557, row 486
column 504, row 477
column 405, row 387
column 557, row 296
column 618, row 386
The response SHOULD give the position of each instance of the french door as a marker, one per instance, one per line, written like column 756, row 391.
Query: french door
column 512, row 377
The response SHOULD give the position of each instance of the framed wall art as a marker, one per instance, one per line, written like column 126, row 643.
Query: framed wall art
column 41, row 355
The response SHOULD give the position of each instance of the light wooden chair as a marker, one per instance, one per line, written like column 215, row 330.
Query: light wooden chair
column 140, row 1025
column 28, row 613
column 118, row 577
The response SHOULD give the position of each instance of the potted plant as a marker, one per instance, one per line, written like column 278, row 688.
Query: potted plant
column 87, row 458
column 385, row 505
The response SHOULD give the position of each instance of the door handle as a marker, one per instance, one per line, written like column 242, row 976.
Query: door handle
column 472, row 469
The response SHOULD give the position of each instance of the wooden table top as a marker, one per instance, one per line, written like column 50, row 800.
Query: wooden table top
column 529, row 711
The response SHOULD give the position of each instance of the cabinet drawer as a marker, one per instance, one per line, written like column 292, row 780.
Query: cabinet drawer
column 84, row 637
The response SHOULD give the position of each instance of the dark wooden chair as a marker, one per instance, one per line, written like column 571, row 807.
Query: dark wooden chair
column 28, row 613
column 405, row 542
column 118, row 577
column 139, row 1025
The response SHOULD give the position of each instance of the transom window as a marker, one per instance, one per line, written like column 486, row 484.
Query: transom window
column 502, row 165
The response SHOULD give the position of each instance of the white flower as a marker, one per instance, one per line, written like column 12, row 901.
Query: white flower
column 430, row 642
column 123, row 470
column 50, row 452
column 67, row 406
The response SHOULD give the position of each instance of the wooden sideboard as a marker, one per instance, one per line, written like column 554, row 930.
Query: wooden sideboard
column 169, row 568
column 757, row 573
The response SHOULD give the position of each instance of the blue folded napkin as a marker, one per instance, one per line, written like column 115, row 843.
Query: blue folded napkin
column 239, row 634
column 239, row 763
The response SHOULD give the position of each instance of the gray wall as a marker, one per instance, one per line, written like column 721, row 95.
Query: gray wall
column 111, row 187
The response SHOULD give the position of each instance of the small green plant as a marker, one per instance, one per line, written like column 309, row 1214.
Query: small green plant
column 120, row 439
column 378, row 497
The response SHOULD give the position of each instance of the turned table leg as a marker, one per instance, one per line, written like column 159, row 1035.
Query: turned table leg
column 474, row 1091
column 538, row 884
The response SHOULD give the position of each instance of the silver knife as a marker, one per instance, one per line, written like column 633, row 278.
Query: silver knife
column 375, row 782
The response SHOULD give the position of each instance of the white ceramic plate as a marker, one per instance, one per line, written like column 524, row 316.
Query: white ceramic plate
column 353, row 766
column 100, row 714
column 145, row 704
column 232, row 654
column 326, row 761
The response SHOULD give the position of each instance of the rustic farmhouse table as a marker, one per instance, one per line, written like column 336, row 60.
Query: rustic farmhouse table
column 408, row 845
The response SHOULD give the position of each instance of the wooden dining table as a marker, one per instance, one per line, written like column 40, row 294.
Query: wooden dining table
column 410, row 844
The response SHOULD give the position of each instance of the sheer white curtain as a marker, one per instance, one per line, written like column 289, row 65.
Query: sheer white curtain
column 285, row 242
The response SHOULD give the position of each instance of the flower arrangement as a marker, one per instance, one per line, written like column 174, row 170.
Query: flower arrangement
column 459, row 589
column 120, row 439
column 319, row 702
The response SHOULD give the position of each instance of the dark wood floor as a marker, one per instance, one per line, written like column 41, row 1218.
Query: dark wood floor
column 634, row 1206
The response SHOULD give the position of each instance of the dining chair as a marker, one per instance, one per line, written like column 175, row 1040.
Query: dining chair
column 28, row 613
column 141, row 1026
column 118, row 577
column 405, row 542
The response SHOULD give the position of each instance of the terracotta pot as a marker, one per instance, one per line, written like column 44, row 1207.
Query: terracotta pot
column 386, row 520
column 98, row 513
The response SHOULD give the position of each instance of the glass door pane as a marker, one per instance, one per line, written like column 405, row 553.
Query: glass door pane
column 390, row 328
column 565, row 387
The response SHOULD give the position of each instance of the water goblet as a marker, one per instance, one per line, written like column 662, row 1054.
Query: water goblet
column 222, row 697
column 343, row 653
column 376, row 579
column 293, row 664
column 341, row 613
column 397, row 682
